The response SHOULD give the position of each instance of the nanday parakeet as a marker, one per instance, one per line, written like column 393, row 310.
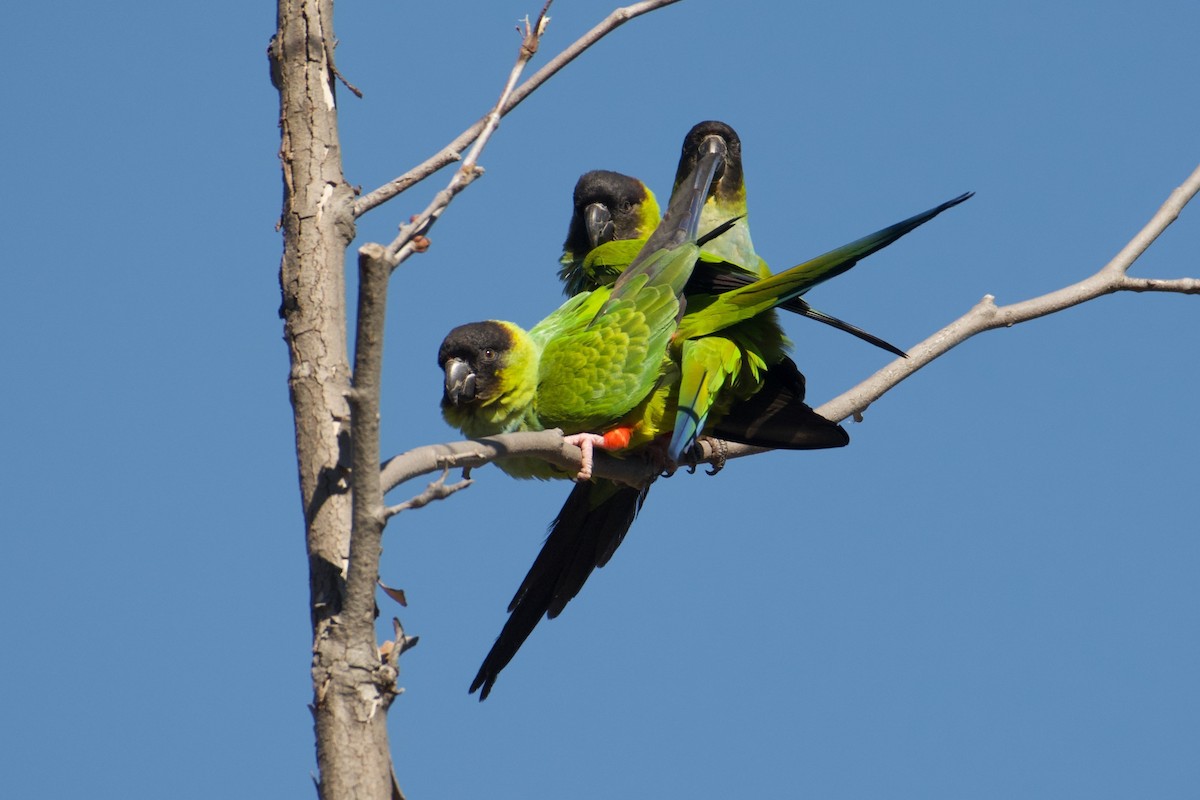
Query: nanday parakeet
column 720, row 371
column 597, row 363
column 613, row 216
column 498, row 378
column 597, row 514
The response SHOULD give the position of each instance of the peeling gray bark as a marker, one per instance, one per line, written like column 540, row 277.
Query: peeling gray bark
column 352, row 686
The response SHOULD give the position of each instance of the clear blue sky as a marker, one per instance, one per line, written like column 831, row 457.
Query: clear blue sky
column 991, row 593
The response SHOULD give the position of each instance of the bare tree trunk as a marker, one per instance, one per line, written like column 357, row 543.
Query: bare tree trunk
column 318, row 225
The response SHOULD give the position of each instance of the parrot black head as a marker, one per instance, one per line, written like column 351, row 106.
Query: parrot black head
column 728, row 183
column 472, row 357
column 609, row 206
column 491, row 377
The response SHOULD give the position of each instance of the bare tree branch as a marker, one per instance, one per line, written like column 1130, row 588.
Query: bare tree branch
column 1179, row 285
column 452, row 152
column 546, row 445
column 366, row 532
column 985, row 315
column 438, row 490
column 411, row 238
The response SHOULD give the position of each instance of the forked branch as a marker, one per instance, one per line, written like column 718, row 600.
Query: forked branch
column 412, row 235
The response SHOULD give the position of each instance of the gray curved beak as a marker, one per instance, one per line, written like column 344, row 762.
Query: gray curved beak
column 716, row 145
column 460, row 381
column 599, row 223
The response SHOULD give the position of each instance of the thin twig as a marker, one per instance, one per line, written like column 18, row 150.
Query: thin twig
column 412, row 235
column 453, row 151
column 337, row 73
column 438, row 490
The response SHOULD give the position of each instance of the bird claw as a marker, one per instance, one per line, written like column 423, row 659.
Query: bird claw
column 586, row 442
column 695, row 455
column 720, row 453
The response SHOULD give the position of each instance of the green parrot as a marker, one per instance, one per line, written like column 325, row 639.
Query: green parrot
column 598, row 363
column 612, row 213
column 598, row 513
column 726, row 197
column 729, row 363
column 612, row 216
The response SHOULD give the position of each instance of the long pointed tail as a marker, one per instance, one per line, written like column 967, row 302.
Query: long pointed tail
column 776, row 290
column 583, row 537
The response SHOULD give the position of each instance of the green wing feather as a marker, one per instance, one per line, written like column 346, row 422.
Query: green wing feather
column 735, row 311
column 755, row 298
column 708, row 365
column 594, row 374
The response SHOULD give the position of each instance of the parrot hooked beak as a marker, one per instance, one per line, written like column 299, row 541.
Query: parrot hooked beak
column 460, row 381
column 599, row 223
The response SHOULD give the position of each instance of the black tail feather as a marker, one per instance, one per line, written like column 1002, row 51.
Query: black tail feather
column 776, row 416
column 584, row 536
column 717, row 277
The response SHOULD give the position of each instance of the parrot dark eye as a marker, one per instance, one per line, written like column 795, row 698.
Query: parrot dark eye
column 489, row 354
